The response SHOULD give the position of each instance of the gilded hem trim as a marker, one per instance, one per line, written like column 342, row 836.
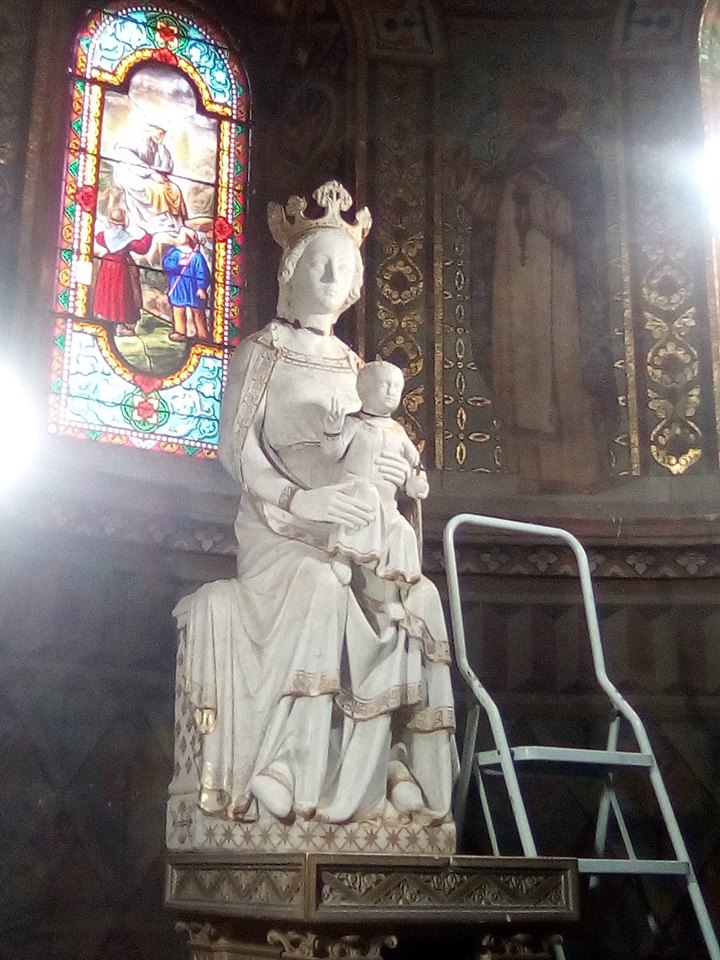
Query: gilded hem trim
column 433, row 649
column 286, row 497
column 372, row 560
column 306, row 684
column 404, row 695
column 431, row 719
column 250, row 401
column 314, row 533
column 317, row 363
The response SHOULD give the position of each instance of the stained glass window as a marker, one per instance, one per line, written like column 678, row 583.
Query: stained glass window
column 149, row 277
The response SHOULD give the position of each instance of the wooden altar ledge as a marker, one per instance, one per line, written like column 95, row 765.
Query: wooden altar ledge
column 261, row 905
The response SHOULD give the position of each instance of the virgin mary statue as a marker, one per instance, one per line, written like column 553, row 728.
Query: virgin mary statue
column 299, row 712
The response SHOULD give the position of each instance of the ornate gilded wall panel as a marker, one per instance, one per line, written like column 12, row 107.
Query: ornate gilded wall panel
column 400, row 244
column 671, row 362
column 674, row 358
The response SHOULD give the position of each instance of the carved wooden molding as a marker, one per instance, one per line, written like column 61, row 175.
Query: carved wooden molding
column 626, row 562
column 308, row 946
column 205, row 941
column 495, row 947
column 409, row 890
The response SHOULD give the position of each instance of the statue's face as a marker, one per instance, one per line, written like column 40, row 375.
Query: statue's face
column 380, row 389
column 324, row 274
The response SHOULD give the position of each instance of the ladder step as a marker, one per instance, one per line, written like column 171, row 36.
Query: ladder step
column 602, row 758
column 680, row 868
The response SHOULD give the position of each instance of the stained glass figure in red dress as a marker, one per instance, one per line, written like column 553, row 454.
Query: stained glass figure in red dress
column 118, row 298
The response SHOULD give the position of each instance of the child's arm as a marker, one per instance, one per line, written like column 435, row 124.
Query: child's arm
column 337, row 431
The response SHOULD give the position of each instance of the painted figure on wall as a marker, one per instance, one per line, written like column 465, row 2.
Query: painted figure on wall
column 539, row 301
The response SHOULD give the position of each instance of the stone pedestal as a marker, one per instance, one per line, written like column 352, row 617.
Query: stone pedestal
column 188, row 830
column 336, row 907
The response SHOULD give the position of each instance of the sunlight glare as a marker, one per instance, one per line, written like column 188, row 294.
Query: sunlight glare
column 18, row 427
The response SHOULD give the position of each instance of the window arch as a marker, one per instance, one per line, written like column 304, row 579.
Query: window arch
column 149, row 274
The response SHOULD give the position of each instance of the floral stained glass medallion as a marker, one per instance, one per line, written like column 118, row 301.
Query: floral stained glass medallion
column 147, row 302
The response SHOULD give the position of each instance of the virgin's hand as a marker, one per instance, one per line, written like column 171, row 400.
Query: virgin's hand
column 393, row 467
column 332, row 504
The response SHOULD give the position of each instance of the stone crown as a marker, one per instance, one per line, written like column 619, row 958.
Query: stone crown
column 288, row 222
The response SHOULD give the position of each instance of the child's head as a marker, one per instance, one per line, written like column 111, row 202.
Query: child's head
column 187, row 238
column 380, row 386
column 117, row 217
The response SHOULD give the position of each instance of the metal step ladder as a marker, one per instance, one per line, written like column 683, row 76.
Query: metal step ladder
column 505, row 759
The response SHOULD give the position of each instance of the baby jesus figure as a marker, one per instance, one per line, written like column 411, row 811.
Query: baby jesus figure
column 387, row 548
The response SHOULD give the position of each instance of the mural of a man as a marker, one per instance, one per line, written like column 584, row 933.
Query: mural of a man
column 539, row 278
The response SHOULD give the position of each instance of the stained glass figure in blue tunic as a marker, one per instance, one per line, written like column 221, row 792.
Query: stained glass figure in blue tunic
column 189, row 279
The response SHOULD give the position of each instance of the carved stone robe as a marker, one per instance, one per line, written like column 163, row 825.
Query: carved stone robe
column 282, row 661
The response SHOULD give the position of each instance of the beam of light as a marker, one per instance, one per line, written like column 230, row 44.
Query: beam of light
column 709, row 179
column 18, row 427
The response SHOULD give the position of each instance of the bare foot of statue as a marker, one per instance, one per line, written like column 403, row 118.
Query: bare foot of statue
column 406, row 797
column 305, row 811
column 273, row 795
column 334, row 814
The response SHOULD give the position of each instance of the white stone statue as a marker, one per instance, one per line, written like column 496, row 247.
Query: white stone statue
column 314, row 688
column 385, row 550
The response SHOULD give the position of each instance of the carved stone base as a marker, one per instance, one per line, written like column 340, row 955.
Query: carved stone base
column 257, row 906
column 189, row 829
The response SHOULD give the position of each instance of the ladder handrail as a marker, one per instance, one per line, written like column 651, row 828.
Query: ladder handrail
column 622, row 707
column 551, row 533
